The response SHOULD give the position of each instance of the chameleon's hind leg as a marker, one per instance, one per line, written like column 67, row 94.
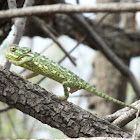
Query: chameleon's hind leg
column 66, row 84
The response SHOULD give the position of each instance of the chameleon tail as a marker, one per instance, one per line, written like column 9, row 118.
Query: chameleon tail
column 95, row 91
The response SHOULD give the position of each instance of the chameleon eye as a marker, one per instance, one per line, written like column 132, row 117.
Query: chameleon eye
column 12, row 49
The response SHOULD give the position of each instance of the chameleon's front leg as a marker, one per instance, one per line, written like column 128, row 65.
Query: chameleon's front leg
column 74, row 87
column 66, row 92
column 21, row 62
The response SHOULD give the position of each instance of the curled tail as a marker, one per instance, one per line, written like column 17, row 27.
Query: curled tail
column 103, row 95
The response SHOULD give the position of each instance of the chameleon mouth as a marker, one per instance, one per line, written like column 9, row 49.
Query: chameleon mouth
column 23, row 54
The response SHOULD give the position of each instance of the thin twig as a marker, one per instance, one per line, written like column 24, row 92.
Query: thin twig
column 109, row 54
column 102, row 19
column 96, row 25
column 72, row 49
column 136, row 126
column 42, row 24
column 67, row 8
column 123, row 116
column 31, row 75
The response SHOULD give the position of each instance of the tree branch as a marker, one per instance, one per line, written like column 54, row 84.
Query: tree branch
column 66, row 8
column 49, row 109
column 123, row 116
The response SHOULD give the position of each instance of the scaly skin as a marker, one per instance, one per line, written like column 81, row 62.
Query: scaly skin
column 40, row 64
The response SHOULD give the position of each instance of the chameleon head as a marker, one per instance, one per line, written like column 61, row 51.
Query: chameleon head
column 16, row 53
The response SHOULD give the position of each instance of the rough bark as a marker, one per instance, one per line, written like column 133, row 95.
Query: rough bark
column 49, row 109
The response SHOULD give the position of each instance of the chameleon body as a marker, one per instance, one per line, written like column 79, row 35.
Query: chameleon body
column 40, row 64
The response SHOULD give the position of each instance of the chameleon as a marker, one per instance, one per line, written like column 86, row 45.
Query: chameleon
column 36, row 62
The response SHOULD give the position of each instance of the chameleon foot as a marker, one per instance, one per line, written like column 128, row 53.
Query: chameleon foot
column 63, row 98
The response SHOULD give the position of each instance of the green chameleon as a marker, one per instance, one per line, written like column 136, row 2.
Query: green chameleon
column 40, row 64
